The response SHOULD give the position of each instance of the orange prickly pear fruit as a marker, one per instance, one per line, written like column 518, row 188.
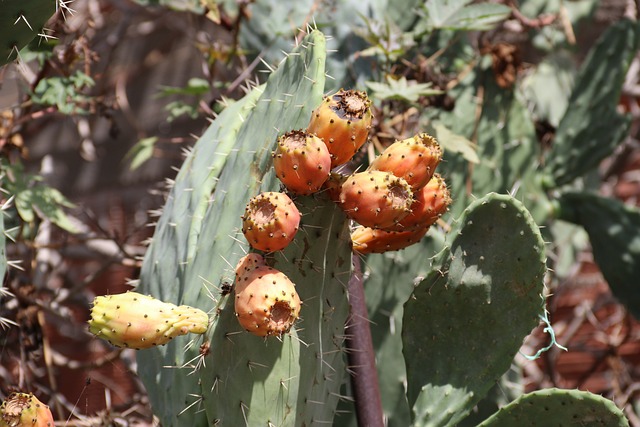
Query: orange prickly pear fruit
column 376, row 199
column 415, row 159
column 266, row 301
column 367, row 240
column 247, row 265
column 342, row 121
column 270, row 221
column 431, row 202
column 25, row 410
column 139, row 321
column 302, row 162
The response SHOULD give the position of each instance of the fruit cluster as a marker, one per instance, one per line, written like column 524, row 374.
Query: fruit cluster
column 394, row 201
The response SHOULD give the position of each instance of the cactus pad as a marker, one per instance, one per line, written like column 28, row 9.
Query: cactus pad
column 558, row 408
column 467, row 319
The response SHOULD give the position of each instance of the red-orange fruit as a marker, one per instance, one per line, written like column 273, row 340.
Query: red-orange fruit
column 247, row 265
column 376, row 199
column 415, row 159
column 266, row 301
column 270, row 221
column 367, row 240
column 25, row 410
column 302, row 162
column 342, row 121
column 431, row 202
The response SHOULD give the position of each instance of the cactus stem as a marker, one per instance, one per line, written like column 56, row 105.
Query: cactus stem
column 364, row 377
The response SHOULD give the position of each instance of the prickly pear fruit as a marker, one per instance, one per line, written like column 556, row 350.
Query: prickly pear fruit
column 415, row 159
column 333, row 186
column 342, row 121
column 302, row 162
column 270, row 221
column 247, row 265
column 266, row 300
column 431, row 202
column 139, row 321
column 25, row 410
column 367, row 240
column 376, row 199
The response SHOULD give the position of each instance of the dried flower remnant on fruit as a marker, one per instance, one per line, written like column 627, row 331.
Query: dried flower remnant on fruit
column 342, row 121
column 431, row 202
column 270, row 221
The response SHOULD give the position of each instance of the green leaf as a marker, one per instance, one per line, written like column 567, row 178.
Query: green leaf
column 141, row 152
column 457, row 15
column 455, row 143
column 401, row 89
column 64, row 92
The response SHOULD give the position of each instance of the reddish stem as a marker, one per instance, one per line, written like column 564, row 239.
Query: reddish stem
column 362, row 365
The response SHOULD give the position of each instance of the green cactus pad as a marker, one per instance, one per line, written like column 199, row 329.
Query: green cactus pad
column 592, row 128
column 20, row 22
column 467, row 319
column 614, row 232
column 294, row 380
column 558, row 408
column 198, row 242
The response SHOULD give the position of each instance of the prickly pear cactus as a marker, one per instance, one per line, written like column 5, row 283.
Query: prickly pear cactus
column 467, row 319
column 238, row 378
column 592, row 128
column 614, row 232
column 20, row 22
column 558, row 407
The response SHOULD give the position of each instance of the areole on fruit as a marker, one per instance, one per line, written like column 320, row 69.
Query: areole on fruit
column 270, row 221
column 376, row 199
column 302, row 162
column 342, row 121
